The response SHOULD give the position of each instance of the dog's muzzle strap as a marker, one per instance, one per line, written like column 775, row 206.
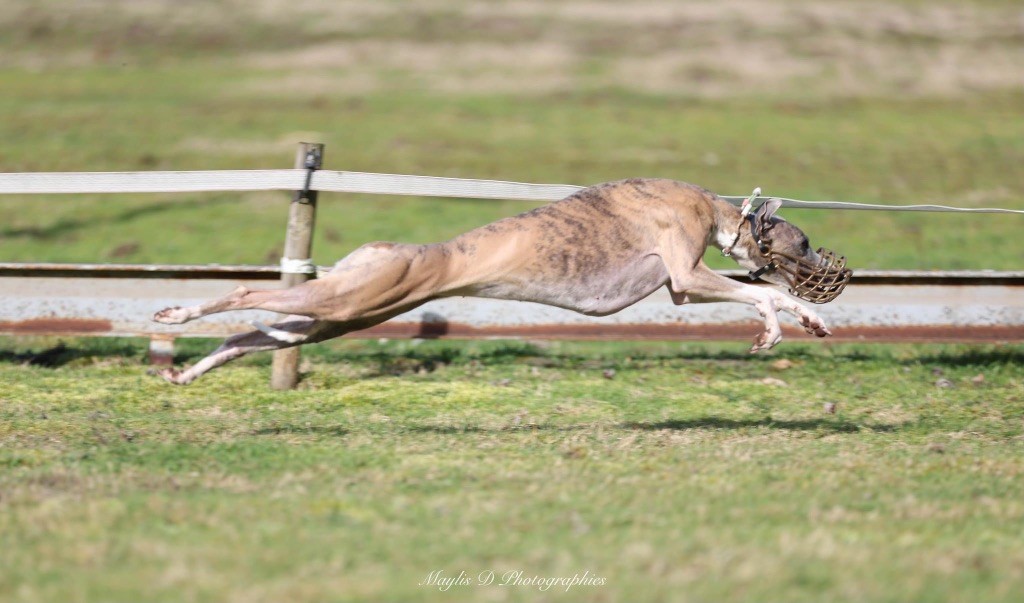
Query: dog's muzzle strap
column 756, row 274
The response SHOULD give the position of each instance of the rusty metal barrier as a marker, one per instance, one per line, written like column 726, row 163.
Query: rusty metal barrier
column 878, row 306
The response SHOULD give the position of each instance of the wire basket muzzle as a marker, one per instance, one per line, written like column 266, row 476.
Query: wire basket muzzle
column 819, row 282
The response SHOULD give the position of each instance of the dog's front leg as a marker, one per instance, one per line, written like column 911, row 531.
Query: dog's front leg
column 811, row 322
column 702, row 285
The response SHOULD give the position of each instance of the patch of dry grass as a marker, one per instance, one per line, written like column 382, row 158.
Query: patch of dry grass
column 735, row 48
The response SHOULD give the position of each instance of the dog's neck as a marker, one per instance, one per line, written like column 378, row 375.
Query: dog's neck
column 727, row 222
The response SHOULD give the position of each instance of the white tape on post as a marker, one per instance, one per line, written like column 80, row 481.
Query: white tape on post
column 296, row 266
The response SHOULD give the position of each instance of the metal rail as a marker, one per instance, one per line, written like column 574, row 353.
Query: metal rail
column 878, row 306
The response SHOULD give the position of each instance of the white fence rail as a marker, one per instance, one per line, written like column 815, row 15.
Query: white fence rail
column 357, row 182
column 119, row 300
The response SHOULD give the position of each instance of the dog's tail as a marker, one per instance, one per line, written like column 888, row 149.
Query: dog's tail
column 278, row 334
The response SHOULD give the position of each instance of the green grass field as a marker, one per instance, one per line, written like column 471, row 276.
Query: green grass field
column 683, row 476
column 673, row 472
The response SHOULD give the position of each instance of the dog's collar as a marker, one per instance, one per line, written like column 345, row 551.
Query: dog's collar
column 745, row 209
column 727, row 250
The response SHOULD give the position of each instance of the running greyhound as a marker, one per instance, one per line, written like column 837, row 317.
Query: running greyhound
column 596, row 252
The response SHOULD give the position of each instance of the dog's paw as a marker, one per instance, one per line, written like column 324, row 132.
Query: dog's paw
column 172, row 316
column 815, row 326
column 766, row 341
column 173, row 375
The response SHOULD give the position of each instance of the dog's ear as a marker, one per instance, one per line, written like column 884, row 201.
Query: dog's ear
column 763, row 215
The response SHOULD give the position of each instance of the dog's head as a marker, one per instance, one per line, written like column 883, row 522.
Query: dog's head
column 782, row 255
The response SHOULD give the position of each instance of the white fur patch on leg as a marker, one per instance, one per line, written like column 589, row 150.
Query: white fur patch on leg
column 278, row 334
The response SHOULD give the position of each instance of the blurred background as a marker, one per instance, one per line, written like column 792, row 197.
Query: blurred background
column 892, row 102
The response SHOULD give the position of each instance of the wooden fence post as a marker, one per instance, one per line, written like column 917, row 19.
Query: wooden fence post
column 161, row 350
column 298, row 246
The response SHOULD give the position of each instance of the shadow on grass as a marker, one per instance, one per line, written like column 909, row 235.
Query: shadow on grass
column 972, row 357
column 450, row 429
column 64, row 226
column 530, row 427
column 397, row 361
column 411, row 360
column 324, row 430
column 820, row 425
column 338, row 430
column 390, row 364
column 61, row 355
column 834, row 426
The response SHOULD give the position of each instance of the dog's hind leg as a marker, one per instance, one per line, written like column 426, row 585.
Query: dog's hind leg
column 301, row 300
column 371, row 285
column 292, row 331
column 372, row 280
